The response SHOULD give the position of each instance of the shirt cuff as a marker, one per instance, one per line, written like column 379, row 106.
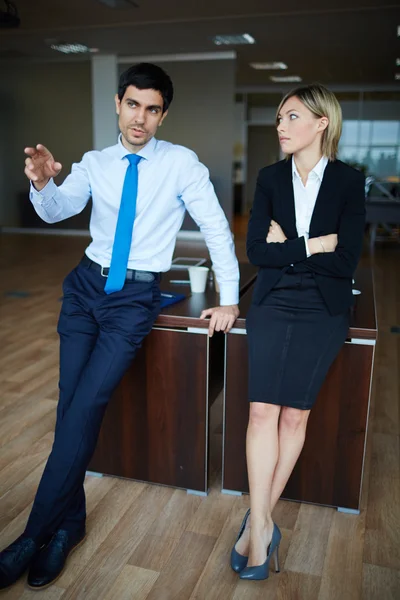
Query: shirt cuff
column 45, row 193
column 229, row 294
column 307, row 248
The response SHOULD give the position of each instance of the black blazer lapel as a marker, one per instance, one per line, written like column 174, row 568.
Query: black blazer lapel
column 329, row 185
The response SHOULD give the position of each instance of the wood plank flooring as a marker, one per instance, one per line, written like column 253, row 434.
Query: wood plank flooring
column 154, row 543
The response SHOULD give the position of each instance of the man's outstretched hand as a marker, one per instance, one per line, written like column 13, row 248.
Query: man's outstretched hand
column 40, row 166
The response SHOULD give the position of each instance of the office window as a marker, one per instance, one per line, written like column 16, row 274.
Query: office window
column 373, row 145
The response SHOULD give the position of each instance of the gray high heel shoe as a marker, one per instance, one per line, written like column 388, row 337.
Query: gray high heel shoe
column 262, row 571
column 239, row 562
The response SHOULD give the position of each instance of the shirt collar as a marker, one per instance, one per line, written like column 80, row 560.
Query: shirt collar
column 318, row 170
column 146, row 152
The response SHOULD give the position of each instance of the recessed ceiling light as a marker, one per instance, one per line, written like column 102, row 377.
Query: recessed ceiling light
column 235, row 39
column 67, row 48
column 268, row 66
column 397, row 62
column 397, row 76
column 398, row 30
column 286, row 79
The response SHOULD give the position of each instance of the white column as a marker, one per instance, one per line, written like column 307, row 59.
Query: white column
column 104, row 88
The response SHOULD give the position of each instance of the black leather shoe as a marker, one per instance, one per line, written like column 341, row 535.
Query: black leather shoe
column 50, row 562
column 15, row 559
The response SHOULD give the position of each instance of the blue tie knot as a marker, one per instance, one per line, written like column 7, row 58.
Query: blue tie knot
column 134, row 159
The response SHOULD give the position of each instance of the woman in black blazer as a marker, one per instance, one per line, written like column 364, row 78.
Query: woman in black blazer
column 305, row 234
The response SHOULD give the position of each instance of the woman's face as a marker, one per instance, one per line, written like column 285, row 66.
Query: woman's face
column 298, row 128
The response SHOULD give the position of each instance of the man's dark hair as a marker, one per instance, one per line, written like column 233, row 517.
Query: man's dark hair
column 146, row 76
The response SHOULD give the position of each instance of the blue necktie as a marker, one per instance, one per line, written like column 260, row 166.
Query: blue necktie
column 123, row 233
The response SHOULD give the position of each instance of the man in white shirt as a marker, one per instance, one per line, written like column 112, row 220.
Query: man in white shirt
column 140, row 190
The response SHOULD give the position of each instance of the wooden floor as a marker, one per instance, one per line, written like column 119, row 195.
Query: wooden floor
column 156, row 543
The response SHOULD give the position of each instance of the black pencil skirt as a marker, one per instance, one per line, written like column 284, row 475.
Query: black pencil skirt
column 292, row 340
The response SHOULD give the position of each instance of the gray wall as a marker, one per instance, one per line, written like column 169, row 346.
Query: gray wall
column 52, row 104
column 262, row 150
column 41, row 103
column 201, row 117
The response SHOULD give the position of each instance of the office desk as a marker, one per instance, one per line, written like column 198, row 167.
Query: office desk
column 156, row 425
column 330, row 468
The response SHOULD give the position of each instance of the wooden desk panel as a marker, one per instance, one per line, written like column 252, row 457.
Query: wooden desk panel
column 155, row 425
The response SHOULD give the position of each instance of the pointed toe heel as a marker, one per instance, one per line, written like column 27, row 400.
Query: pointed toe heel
column 239, row 562
column 261, row 572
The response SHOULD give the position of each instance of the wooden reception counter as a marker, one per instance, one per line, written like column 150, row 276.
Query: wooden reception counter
column 330, row 468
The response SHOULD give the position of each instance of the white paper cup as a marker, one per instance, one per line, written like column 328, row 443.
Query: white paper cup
column 198, row 279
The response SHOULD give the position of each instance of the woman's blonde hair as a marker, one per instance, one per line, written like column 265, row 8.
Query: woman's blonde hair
column 322, row 103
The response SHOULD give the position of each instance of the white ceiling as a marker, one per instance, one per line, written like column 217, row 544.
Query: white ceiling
column 348, row 42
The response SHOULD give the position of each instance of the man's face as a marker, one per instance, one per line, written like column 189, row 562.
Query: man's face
column 140, row 114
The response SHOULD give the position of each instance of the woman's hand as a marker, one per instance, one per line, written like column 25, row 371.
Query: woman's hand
column 323, row 243
column 275, row 234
